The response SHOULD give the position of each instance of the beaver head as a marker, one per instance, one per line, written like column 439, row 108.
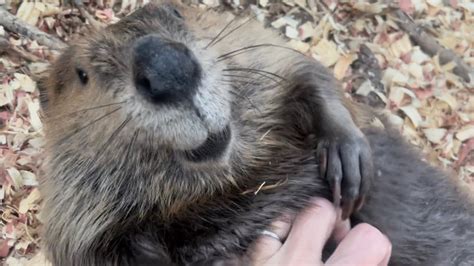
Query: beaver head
column 142, row 101
column 162, row 75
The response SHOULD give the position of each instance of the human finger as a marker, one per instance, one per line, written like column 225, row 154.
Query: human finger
column 310, row 231
column 271, row 240
column 363, row 245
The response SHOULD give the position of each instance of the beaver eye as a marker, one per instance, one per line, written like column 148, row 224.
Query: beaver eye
column 82, row 76
column 176, row 13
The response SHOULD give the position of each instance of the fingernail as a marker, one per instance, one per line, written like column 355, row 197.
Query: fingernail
column 321, row 202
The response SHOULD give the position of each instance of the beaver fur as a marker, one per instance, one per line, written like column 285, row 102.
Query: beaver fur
column 134, row 182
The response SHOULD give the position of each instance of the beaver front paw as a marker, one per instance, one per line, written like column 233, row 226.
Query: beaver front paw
column 346, row 163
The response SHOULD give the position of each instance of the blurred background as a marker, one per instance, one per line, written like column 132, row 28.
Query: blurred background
column 413, row 59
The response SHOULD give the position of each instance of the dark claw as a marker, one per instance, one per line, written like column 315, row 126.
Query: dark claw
column 347, row 166
column 334, row 173
column 330, row 169
column 336, row 193
column 366, row 170
column 351, row 177
column 322, row 154
column 347, row 209
column 359, row 203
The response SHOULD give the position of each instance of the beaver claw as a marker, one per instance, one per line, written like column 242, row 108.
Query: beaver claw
column 347, row 165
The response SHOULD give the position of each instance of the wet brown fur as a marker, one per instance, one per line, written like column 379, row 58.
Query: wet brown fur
column 117, row 197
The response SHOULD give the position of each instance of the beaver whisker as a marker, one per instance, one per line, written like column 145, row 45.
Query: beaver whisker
column 132, row 143
column 88, row 125
column 234, row 29
column 86, row 109
column 220, row 32
column 244, row 82
column 238, row 95
column 245, row 97
column 251, row 47
column 113, row 136
column 241, row 79
column 262, row 73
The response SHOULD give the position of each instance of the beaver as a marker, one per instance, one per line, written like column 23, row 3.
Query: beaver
column 176, row 135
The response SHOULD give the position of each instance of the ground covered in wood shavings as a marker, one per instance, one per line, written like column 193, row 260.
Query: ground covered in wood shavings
column 376, row 60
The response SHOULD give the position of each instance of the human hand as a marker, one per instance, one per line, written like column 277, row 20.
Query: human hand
column 306, row 235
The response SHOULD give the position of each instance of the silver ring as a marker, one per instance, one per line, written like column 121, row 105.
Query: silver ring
column 271, row 234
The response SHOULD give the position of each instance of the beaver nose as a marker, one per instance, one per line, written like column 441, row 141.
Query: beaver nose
column 164, row 71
